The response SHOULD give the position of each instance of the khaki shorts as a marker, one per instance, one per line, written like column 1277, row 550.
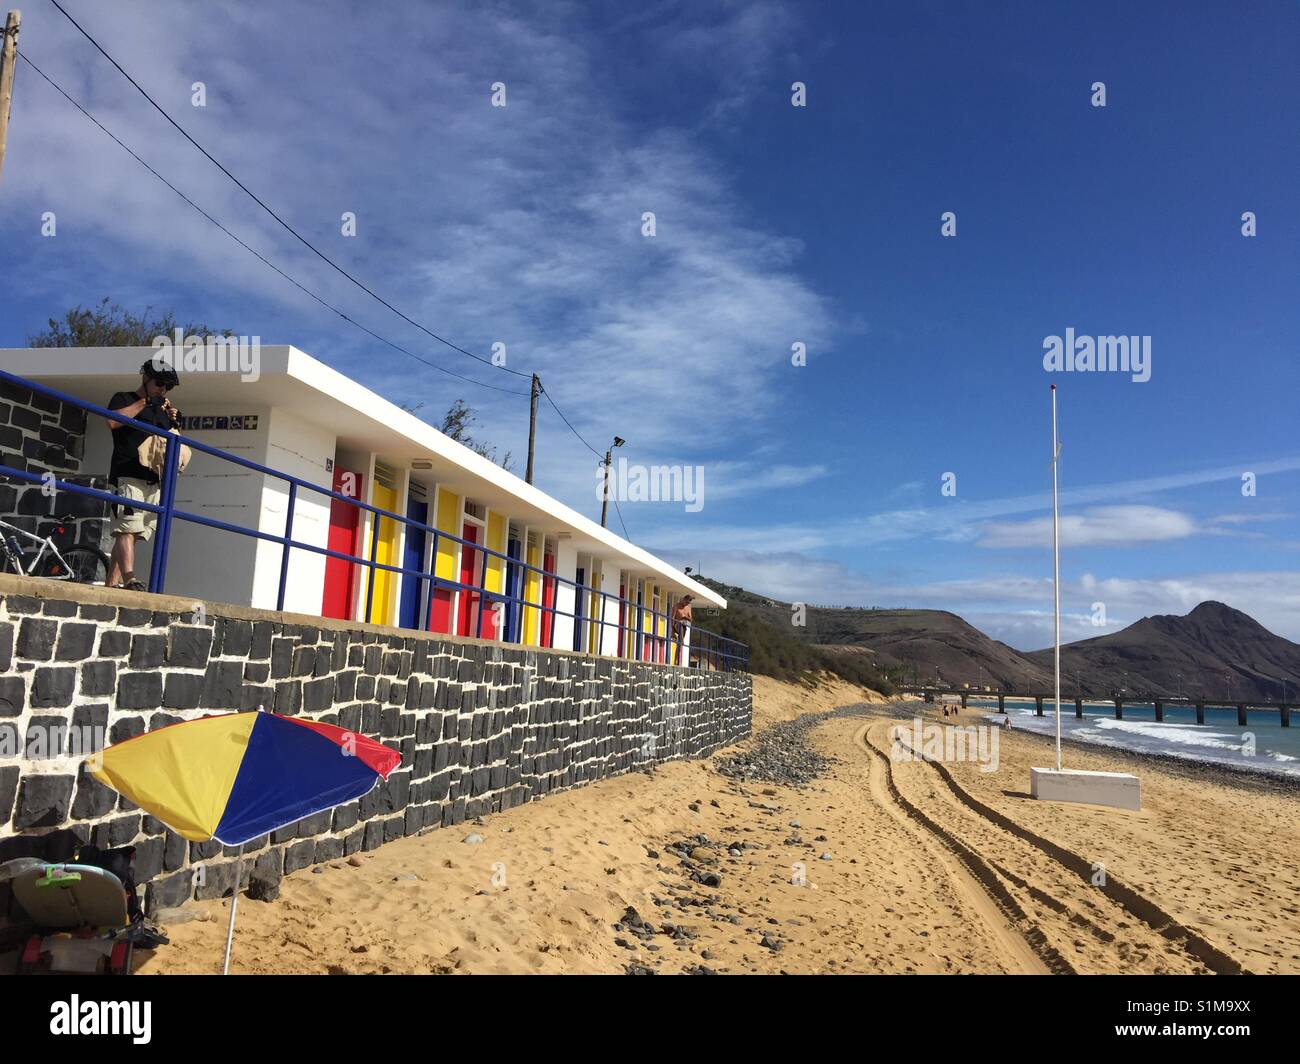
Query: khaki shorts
column 127, row 518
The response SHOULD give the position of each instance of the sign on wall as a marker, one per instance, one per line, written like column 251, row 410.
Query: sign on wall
column 219, row 422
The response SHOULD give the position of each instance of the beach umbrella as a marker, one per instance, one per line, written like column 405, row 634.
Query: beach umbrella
column 237, row 776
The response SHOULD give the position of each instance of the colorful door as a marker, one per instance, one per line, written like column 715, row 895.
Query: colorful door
column 647, row 621
column 578, row 596
column 492, row 618
column 381, row 603
column 338, row 599
column 413, row 558
column 513, row 583
column 548, row 599
column 467, row 603
column 532, row 596
column 444, row 566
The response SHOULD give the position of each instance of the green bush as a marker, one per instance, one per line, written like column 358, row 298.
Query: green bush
column 776, row 653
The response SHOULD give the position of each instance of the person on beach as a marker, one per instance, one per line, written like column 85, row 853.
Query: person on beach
column 681, row 619
column 148, row 403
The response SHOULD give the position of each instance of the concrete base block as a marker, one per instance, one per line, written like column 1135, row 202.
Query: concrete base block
column 1120, row 790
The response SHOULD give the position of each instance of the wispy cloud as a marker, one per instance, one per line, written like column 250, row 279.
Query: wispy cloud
column 520, row 224
column 962, row 521
column 1104, row 526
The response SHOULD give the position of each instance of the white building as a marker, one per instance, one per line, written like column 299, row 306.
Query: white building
column 302, row 418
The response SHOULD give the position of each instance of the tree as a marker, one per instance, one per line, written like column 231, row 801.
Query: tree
column 456, row 423
column 110, row 325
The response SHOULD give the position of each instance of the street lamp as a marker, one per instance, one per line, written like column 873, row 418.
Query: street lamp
column 609, row 457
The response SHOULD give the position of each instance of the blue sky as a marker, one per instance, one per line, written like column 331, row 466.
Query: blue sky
column 774, row 225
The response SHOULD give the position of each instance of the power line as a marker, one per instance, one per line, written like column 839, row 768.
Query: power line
column 306, row 243
column 593, row 450
column 303, row 240
column 297, row 284
column 569, row 423
column 256, row 199
column 626, row 535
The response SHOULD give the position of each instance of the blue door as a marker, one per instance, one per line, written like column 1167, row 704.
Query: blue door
column 513, row 573
column 408, row 615
column 579, row 595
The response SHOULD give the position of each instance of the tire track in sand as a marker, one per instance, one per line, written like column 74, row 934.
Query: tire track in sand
column 1074, row 869
column 1028, row 950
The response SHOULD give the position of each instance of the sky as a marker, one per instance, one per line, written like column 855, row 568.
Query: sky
column 907, row 460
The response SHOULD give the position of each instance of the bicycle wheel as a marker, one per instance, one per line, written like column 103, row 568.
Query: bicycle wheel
column 85, row 565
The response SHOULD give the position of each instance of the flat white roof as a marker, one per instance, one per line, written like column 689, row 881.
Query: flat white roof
column 295, row 381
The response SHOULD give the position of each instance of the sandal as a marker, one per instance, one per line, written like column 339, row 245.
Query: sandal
column 135, row 585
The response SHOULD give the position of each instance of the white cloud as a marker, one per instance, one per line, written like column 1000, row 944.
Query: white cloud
column 519, row 224
column 1104, row 526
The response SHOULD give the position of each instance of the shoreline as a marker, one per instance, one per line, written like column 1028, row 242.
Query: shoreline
column 1261, row 779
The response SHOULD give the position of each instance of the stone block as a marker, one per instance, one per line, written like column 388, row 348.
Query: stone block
column 75, row 643
column 189, row 646
column 53, row 686
column 1119, row 790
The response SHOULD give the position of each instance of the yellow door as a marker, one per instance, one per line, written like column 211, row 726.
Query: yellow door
column 446, row 519
column 494, row 577
column 533, row 594
column 381, row 609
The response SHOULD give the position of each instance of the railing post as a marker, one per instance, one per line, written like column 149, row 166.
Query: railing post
column 370, row 569
column 167, row 500
column 288, row 535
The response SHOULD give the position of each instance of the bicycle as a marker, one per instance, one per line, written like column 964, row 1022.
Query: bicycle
column 79, row 565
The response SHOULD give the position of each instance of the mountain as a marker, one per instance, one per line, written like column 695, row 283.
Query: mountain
column 906, row 645
column 1215, row 651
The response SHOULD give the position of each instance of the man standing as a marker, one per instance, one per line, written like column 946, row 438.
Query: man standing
column 681, row 617
column 148, row 403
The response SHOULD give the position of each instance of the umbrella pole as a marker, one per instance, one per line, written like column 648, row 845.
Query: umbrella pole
column 234, row 902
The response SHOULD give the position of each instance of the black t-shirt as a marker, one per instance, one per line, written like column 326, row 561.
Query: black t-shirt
column 127, row 439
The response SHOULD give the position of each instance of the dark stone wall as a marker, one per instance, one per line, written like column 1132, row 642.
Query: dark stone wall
column 481, row 727
column 39, row 434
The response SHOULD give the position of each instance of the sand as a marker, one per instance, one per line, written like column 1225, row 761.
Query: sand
column 920, row 875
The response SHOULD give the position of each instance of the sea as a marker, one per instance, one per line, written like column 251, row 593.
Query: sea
column 1262, row 746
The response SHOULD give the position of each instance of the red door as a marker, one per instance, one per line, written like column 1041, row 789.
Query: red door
column 338, row 597
column 548, row 599
column 468, row 602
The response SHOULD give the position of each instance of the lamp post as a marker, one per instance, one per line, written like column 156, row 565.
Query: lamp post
column 609, row 457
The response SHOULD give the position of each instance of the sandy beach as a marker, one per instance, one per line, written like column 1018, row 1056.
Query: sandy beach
column 876, row 865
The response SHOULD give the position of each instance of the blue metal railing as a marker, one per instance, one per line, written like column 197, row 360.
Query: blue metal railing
column 712, row 651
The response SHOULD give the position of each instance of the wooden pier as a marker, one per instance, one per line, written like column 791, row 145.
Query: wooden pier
column 1119, row 701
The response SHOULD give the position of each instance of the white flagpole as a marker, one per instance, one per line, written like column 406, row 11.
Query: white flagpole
column 1056, row 580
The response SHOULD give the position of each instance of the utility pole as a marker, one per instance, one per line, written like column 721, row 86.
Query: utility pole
column 8, row 60
column 604, row 495
column 609, row 457
column 532, row 426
